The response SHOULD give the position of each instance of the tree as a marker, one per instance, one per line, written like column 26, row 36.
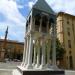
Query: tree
column 60, row 51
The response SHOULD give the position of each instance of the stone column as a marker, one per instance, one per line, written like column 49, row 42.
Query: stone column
column 48, row 52
column 54, row 46
column 29, row 64
column 34, row 59
column 38, row 54
column 42, row 66
column 24, row 53
column 27, row 50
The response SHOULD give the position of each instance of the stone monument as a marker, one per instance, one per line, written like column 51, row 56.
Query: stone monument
column 40, row 38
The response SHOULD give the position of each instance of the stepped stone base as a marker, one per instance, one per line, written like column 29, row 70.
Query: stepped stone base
column 39, row 72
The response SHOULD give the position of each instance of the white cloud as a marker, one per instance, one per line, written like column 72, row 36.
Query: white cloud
column 20, row 6
column 10, row 11
column 14, row 19
column 67, row 6
column 1, row 37
column 30, row 4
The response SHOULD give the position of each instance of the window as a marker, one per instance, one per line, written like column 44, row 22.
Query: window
column 67, row 22
column 71, row 62
column 70, row 52
column 68, row 31
column 69, row 43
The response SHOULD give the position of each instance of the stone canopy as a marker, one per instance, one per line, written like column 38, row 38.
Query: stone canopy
column 43, row 6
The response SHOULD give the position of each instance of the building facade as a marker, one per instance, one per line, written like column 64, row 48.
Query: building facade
column 14, row 49
column 66, row 35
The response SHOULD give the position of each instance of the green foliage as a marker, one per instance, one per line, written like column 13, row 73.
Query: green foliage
column 59, row 51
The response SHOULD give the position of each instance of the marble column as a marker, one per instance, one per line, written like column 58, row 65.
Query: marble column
column 48, row 52
column 24, row 53
column 29, row 64
column 34, row 59
column 38, row 54
column 54, row 46
column 42, row 66
column 27, row 50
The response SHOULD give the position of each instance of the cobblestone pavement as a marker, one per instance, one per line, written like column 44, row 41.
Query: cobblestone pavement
column 6, row 68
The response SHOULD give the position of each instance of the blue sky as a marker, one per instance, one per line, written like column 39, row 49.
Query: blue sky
column 13, row 14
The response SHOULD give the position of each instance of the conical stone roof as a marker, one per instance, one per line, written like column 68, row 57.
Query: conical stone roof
column 43, row 6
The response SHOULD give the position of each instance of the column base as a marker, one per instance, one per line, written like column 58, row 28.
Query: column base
column 42, row 67
column 33, row 64
column 54, row 67
column 36, row 66
column 22, row 64
column 48, row 67
column 29, row 66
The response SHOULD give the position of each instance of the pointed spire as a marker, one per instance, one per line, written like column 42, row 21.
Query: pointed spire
column 5, row 39
column 7, row 30
column 6, row 33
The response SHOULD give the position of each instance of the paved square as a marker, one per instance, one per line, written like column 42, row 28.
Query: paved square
column 5, row 72
column 7, row 68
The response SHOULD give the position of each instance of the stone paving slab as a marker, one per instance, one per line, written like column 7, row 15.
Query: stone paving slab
column 9, row 65
column 7, row 68
column 5, row 72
